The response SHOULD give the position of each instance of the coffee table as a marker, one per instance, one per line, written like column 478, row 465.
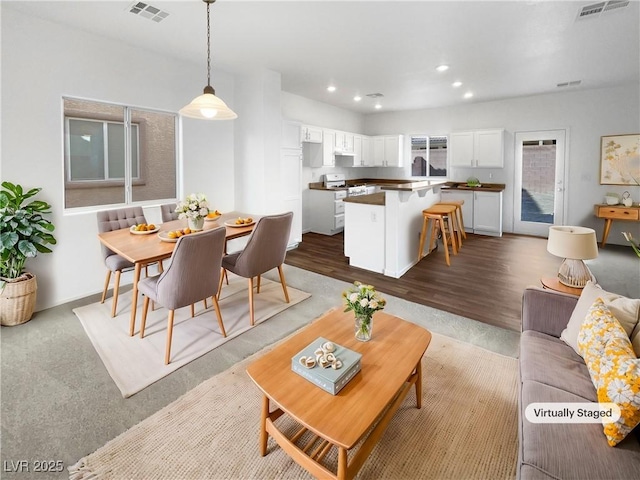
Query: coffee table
column 360, row 411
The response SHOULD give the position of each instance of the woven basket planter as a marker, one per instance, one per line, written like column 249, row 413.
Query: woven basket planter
column 18, row 300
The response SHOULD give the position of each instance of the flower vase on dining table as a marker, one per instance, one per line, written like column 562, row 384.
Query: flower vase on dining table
column 196, row 224
column 364, row 327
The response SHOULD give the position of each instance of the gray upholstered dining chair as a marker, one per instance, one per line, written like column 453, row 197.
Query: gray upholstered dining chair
column 265, row 250
column 168, row 212
column 109, row 220
column 192, row 275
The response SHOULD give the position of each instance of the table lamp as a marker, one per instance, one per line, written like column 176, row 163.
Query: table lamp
column 574, row 244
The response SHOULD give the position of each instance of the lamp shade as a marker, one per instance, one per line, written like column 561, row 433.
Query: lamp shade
column 208, row 107
column 572, row 242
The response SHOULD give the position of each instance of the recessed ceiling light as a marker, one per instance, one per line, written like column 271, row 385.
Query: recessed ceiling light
column 442, row 68
column 378, row 106
column 357, row 98
column 331, row 88
column 468, row 95
column 456, row 84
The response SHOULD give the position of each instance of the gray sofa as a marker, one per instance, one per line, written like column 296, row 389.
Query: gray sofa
column 550, row 371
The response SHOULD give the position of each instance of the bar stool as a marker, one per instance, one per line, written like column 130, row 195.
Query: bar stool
column 459, row 219
column 434, row 217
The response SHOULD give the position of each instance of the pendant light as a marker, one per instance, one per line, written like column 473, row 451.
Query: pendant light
column 207, row 106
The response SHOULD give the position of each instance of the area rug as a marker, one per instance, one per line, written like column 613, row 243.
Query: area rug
column 466, row 428
column 136, row 363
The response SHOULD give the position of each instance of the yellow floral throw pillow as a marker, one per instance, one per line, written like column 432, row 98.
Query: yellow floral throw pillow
column 613, row 366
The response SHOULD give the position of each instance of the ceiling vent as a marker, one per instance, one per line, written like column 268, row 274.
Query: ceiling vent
column 596, row 9
column 374, row 95
column 573, row 83
column 147, row 11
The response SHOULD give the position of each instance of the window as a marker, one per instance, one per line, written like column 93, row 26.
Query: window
column 428, row 156
column 116, row 154
column 96, row 150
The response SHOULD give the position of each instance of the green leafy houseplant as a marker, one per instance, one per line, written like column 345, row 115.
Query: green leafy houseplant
column 25, row 231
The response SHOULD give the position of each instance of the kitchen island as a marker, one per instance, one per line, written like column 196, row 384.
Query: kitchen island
column 382, row 230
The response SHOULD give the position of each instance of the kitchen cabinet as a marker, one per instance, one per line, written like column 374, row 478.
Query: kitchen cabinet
column 467, row 207
column 362, row 151
column 326, row 215
column 478, row 149
column 481, row 211
column 343, row 142
column 387, row 150
column 487, row 213
column 310, row 134
column 291, row 178
column 321, row 154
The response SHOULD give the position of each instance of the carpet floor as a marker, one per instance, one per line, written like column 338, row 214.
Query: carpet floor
column 466, row 428
column 136, row 363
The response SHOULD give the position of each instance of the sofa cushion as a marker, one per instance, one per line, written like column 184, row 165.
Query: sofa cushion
column 548, row 360
column 613, row 366
column 570, row 450
column 626, row 310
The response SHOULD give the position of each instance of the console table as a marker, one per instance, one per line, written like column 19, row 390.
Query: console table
column 615, row 212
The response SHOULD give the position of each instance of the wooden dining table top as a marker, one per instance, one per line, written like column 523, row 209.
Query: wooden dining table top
column 149, row 248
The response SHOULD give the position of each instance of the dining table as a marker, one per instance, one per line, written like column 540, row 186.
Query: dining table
column 142, row 249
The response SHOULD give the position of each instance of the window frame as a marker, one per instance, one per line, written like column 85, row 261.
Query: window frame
column 428, row 155
column 108, row 180
column 127, row 183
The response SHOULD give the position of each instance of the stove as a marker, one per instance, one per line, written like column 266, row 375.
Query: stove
column 334, row 180
column 357, row 190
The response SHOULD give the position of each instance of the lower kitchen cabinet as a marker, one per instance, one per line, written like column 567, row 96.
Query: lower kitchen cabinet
column 326, row 212
column 487, row 213
column 481, row 212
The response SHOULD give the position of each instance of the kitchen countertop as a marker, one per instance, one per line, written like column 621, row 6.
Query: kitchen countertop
column 384, row 184
column 484, row 187
column 371, row 199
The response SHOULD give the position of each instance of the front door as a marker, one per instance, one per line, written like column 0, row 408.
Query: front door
column 539, row 181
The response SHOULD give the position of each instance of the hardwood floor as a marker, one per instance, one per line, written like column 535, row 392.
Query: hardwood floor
column 484, row 282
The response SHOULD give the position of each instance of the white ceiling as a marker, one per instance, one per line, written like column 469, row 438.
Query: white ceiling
column 498, row 49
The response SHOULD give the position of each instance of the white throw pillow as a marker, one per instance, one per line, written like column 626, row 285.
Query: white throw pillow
column 626, row 310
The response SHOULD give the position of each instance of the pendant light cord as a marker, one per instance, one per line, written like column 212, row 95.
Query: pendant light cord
column 208, row 47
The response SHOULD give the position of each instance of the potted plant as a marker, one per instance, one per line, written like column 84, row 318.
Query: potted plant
column 24, row 232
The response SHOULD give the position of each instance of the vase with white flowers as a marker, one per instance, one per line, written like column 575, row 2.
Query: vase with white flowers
column 195, row 209
column 364, row 301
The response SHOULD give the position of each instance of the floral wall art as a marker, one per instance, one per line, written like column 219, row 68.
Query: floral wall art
column 620, row 159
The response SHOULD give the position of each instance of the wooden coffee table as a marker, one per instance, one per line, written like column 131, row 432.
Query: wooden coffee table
column 390, row 366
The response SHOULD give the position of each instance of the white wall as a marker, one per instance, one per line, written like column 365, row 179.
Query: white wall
column 41, row 62
column 585, row 114
column 258, row 133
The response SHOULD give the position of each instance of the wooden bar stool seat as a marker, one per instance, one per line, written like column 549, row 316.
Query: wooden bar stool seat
column 433, row 221
column 461, row 232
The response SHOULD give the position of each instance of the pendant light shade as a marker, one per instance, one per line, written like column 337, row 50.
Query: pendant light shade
column 207, row 106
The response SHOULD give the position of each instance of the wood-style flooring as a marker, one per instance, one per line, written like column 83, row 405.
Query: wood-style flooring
column 484, row 282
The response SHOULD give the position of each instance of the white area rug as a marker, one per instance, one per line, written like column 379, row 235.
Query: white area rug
column 136, row 363
column 466, row 429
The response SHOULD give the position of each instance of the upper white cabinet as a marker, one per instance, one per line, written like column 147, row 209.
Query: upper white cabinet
column 328, row 145
column 344, row 142
column 311, row 134
column 387, row 150
column 480, row 148
column 320, row 154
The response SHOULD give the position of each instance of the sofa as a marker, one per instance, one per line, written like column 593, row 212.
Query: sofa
column 551, row 371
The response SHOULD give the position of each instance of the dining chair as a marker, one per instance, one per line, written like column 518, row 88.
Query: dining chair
column 168, row 212
column 265, row 250
column 109, row 220
column 192, row 275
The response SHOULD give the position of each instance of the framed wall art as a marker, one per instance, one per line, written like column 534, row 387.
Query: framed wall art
column 620, row 159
